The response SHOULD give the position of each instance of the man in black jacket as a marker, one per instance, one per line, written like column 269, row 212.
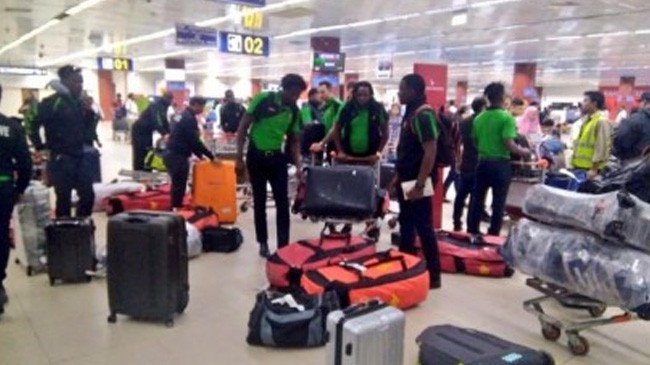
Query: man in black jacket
column 14, row 161
column 62, row 116
column 632, row 137
column 184, row 141
column 154, row 118
column 231, row 113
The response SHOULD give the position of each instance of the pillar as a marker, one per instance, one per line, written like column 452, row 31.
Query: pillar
column 106, row 92
column 175, row 80
column 348, row 78
column 461, row 93
column 523, row 84
column 626, row 92
column 435, row 77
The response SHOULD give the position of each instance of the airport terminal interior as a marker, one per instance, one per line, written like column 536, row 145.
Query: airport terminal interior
column 538, row 115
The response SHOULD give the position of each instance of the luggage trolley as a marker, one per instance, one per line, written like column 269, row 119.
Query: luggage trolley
column 524, row 175
column 552, row 327
column 373, row 229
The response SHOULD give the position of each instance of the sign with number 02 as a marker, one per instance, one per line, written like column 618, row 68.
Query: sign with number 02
column 247, row 44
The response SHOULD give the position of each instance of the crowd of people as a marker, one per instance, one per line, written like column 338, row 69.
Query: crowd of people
column 481, row 140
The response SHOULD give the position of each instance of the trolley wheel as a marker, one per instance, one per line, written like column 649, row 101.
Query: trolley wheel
column 374, row 234
column 169, row 323
column 313, row 219
column 597, row 312
column 551, row 332
column 244, row 207
column 392, row 223
column 89, row 278
column 578, row 345
column 52, row 280
column 112, row 318
column 30, row 271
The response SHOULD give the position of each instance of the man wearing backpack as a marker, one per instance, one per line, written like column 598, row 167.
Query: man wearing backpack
column 271, row 116
column 231, row 113
column 154, row 118
column 494, row 132
column 632, row 138
column 417, row 151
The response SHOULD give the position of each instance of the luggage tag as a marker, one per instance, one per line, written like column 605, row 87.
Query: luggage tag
column 352, row 265
column 290, row 301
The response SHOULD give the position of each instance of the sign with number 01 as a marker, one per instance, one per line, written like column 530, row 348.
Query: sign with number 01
column 246, row 44
column 116, row 64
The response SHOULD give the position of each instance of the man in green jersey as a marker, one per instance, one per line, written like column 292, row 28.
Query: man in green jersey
column 271, row 116
column 331, row 109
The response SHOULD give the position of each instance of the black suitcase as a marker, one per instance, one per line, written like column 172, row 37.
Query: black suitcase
column 70, row 249
column 219, row 239
column 340, row 192
column 92, row 162
column 147, row 269
column 449, row 345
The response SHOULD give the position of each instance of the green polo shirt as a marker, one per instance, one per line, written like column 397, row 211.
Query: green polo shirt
column 331, row 112
column 490, row 129
column 276, row 120
column 360, row 131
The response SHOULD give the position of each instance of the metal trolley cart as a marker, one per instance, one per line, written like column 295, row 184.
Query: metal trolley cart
column 524, row 175
column 552, row 327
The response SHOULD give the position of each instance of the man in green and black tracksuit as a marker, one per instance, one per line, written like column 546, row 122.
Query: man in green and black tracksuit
column 331, row 111
column 62, row 116
column 313, row 129
column 416, row 158
column 154, row 118
column 271, row 117
column 15, row 171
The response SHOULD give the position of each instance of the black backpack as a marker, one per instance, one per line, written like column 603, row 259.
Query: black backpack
column 446, row 151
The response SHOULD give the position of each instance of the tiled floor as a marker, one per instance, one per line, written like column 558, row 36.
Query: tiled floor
column 66, row 325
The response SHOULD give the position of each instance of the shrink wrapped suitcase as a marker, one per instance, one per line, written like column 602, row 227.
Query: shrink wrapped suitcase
column 30, row 217
column 214, row 185
column 70, row 249
column 634, row 177
column 393, row 277
column 286, row 265
column 370, row 333
column 340, row 192
column 617, row 216
column 581, row 263
column 147, row 270
column 449, row 345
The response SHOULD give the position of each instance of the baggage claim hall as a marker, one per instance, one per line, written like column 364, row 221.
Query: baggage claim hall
column 336, row 182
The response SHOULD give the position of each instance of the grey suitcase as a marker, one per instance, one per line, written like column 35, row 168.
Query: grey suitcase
column 31, row 216
column 366, row 334
column 147, row 266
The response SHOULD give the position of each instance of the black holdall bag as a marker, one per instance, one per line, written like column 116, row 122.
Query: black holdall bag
column 450, row 345
column 220, row 239
column 290, row 320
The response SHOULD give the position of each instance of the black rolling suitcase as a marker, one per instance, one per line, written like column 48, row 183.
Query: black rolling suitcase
column 70, row 249
column 449, row 345
column 147, row 269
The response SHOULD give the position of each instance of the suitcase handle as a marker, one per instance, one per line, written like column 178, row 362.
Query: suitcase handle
column 138, row 219
column 324, row 236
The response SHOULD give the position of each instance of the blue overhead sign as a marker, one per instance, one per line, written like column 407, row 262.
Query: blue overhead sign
column 258, row 3
column 190, row 35
column 246, row 44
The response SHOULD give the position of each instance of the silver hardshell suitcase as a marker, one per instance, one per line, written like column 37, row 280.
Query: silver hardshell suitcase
column 366, row 334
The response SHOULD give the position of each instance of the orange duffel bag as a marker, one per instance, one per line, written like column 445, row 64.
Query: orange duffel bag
column 396, row 278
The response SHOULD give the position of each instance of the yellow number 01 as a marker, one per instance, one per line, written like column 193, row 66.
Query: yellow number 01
column 254, row 45
column 119, row 64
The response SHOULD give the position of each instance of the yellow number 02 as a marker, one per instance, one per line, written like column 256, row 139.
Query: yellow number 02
column 253, row 45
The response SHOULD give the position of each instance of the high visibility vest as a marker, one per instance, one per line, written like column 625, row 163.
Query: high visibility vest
column 583, row 152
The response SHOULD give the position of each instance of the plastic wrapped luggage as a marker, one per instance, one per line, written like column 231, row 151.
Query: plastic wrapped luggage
column 369, row 333
column 462, row 253
column 214, row 185
column 286, row 265
column 70, row 249
column 147, row 268
column 290, row 320
column 221, row 239
column 31, row 217
column 340, row 192
column 450, row 345
column 633, row 177
column 396, row 278
column 581, row 263
column 201, row 218
column 194, row 241
column 616, row 216
column 106, row 190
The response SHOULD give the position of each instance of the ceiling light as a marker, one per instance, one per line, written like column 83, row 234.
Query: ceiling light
column 612, row 34
column 365, row 23
column 564, row 38
column 486, row 45
column 642, row 31
column 30, row 35
column 238, row 14
column 459, row 19
column 439, row 11
column 402, row 17
column 524, row 41
column 82, row 6
column 491, row 3
column 168, row 54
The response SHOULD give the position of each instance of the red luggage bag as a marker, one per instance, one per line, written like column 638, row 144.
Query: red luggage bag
column 461, row 253
column 158, row 199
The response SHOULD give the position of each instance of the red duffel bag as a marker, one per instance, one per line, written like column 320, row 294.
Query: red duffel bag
column 158, row 199
column 286, row 265
column 199, row 217
column 462, row 253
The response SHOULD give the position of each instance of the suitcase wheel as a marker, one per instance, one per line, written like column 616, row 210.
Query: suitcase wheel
column 30, row 272
column 392, row 223
column 89, row 278
column 597, row 311
column 169, row 323
column 112, row 318
column 578, row 345
column 243, row 207
column 52, row 281
column 551, row 332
